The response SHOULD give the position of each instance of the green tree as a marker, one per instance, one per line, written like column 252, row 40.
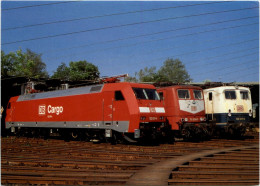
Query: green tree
column 7, row 61
column 19, row 63
column 173, row 70
column 77, row 70
column 62, row 72
column 147, row 74
column 131, row 79
column 35, row 64
column 207, row 81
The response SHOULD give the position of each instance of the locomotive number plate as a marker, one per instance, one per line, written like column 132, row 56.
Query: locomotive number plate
column 240, row 108
column 193, row 108
column 240, row 119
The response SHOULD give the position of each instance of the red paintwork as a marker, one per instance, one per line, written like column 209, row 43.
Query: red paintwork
column 88, row 107
column 172, row 107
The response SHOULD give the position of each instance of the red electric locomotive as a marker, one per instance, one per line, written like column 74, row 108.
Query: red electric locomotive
column 103, row 111
column 185, row 110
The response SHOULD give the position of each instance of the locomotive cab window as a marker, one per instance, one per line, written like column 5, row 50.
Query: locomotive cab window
column 197, row 94
column 152, row 94
column 244, row 95
column 149, row 94
column 230, row 94
column 183, row 94
column 119, row 96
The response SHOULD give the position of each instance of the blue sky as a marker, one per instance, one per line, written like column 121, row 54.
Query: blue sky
column 218, row 41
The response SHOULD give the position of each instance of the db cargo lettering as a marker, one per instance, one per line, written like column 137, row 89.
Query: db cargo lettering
column 55, row 110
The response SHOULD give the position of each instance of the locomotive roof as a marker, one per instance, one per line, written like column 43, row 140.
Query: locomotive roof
column 61, row 93
column 78, row 91
column 181, row 86
column 222, row 88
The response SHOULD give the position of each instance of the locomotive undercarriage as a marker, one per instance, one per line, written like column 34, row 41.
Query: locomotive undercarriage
column 232, row 130
column 195, row 131
column 149, row 132
column 67, row 134
column 156, row 132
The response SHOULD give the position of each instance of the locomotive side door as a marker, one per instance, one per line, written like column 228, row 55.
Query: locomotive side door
column 107, row 108
column 120, row 109
column 10, row 111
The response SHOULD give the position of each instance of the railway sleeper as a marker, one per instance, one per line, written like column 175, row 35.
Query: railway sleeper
column 220, row 163
column 74, row 165
column 55, row 169
column 230, row 159
column 211, row 182
column 235, row 155
column 217, row 168
column 25, row 180
column 221, row 175
column 75, row 175
column 100, row 153
column 75, row 160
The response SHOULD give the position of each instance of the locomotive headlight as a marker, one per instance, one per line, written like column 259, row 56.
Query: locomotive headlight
column 202, row 119
column 250, row 113
column 229, row 112
column 186, row 119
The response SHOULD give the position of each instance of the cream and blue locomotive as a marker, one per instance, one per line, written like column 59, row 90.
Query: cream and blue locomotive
column 229, row 109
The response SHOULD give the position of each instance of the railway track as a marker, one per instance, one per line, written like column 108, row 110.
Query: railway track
column 239, row 167
column 36, row 161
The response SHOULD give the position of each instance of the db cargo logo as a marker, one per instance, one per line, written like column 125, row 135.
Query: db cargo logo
column 50, row 109
column 42, row 109
column 240, row 108
column 152, row 109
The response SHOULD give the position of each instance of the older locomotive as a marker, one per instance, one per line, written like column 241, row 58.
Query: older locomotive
column 229, row 108
column 103, row 111
column 185, row 111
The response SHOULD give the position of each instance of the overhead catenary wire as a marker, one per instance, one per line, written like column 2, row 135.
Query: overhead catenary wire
column 161, row 32
column 198, row 62
column 31, row 6
column 188, row 53
column 235, row 78
column 236, row 71
column 197, row 51
column 124, row 25
column 240, row 76
column 108, row 15
column 191, row 65
column 227, row 67
column 165, row 38
column 185, row 35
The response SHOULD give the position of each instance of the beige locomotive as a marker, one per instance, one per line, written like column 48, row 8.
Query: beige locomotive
column 229, row 108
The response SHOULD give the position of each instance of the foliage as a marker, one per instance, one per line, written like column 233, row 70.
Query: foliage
column 78, row 70
column 131, row 79
column 28, row 64
column 207, row 81
column 172, row 71
column 62, row 72
column 147, row 74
